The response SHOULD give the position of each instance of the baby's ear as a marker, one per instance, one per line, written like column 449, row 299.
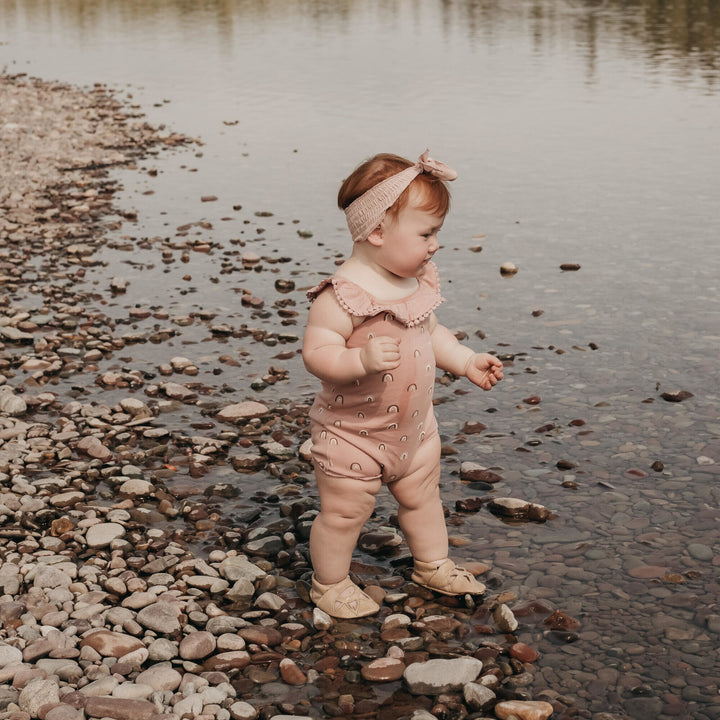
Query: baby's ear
column 376, row 236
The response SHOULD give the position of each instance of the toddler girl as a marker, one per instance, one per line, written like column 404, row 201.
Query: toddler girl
column 374, row 341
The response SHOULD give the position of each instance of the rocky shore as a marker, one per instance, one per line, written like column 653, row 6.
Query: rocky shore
column 110, row 607
column 154, row 515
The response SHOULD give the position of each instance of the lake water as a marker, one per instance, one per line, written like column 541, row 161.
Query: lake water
column 583, row 132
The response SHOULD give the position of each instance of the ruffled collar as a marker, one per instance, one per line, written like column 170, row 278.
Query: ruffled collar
column 410, row 310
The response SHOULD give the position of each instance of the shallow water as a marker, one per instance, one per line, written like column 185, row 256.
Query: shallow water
column 582, row 132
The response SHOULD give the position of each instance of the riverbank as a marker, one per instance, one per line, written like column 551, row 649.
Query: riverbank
column 108, row 608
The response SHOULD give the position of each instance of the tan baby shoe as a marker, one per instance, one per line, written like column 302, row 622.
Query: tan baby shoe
column 343, row 600
column 447, row 578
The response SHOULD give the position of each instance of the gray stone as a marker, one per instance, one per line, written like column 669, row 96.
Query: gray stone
column 643, row 708
column 504, row 619
column 242, row 411
column 160, row 677
column 243, row 711
column 700, row 551
column 11, row 404
column 161, row 617
column 9, row 655
column 224, row 624
column 478, row 697
column 243, row 589
column 438, row 676
column 162, row 649
column 38, row 692
column 236, row 567
column 103, row 534
column 197, row 645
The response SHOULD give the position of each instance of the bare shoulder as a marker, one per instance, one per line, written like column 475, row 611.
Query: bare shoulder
column 326, row 312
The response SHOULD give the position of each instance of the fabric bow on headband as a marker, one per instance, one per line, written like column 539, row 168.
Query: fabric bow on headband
column 365, row 213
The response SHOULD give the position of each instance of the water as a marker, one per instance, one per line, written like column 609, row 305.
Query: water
column 583, row 132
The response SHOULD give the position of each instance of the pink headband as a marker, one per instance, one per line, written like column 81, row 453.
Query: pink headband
column 365, row 213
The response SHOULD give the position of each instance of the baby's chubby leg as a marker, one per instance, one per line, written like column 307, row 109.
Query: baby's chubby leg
column 420, row 511
column 422, row 520
column 345, row 506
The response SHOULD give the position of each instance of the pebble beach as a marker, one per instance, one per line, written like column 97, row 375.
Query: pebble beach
column 139, row 579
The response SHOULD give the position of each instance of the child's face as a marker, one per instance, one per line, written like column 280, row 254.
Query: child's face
column 409, row 240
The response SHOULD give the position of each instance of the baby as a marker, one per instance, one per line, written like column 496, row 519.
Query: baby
column 374, row 341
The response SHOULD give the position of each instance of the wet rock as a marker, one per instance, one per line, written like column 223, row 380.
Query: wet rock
column 439, row 676
column 508, row 268
column 474, row 472
column 676, row 396
column 517, row 509
column 383, row 670
column 243, row 711
column 103, row 534
column 504, row 619
column 559, row 620
column 11, row 404
column 119, row 284
column 248, row 461
column 478, row 697
column 523, row 710
column 524, row 652
column 228, row 661
column 236, row 567
column 242, row 411
column 291, row 673
column 700, row 551
column 93, row 447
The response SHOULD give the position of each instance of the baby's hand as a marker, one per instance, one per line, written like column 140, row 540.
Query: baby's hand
column 484, row 370
column 380, row 353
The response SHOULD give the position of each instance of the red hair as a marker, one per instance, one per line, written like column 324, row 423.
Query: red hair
column 428, row 193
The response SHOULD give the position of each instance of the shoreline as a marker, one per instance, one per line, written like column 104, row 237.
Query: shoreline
column 107, row 614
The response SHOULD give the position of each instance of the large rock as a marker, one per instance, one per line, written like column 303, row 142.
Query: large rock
column 439, row 676
column 197, row 645
column 119, row 708
column 524, row 710
column 161, row 617
column 111, row 644
column 102, row 534
column 38, row 692
column 160, row 677
column 9, row 655
column 242, row 411
column 235, row 567
column 517, row 509
column 11, row 404
column 478, row 697
column 92, row 446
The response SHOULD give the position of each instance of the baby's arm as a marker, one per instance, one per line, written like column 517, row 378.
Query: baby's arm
column 324, row 351
column 482, row 369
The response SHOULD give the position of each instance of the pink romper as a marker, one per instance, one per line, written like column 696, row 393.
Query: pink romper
column 371, row 428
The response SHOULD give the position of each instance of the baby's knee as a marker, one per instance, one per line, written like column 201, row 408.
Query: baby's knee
column 348, row 518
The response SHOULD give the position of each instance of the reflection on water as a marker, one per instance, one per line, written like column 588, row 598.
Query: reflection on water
column 684, row 34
